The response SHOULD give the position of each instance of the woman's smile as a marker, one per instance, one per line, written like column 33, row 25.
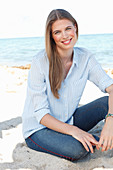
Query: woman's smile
column 67, row 42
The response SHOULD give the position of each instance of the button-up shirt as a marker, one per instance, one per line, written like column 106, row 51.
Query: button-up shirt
column 40, row 100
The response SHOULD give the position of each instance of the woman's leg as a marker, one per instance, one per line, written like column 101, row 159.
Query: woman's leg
column 87, row 116
column 65, row 146
column 55, row 143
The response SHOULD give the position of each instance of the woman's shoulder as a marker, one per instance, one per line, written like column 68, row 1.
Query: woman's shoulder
column 40, row 60
column 40, row 57
column 82, row 51
column 83, row 55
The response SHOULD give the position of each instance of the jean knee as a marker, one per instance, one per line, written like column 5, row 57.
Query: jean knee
column 80, row 155
column 76, row 151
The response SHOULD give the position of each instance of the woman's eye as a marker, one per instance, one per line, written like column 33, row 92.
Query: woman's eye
column 68, row 28
column 57, row 32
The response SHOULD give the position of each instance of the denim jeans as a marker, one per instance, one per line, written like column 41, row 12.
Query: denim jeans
column 65, row 146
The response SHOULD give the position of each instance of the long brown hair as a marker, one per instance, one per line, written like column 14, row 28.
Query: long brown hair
column 55, row 63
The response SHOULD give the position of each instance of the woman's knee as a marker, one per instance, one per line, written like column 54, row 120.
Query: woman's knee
column 75, row 151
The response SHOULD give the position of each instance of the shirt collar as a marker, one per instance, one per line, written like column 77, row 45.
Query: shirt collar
column 75, row 57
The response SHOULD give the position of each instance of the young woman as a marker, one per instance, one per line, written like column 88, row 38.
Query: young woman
column 52, row 121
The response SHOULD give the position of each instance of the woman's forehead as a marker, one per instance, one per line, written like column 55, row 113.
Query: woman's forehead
column 61, row 23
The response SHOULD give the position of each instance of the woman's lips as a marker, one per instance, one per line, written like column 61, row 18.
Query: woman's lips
column 67, row 42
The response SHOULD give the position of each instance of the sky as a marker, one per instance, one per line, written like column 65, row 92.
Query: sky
column 27, row 18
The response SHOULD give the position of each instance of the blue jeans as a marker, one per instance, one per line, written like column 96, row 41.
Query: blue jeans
column 65, row 146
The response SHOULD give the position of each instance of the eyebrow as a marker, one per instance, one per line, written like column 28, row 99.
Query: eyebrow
column 59, row 30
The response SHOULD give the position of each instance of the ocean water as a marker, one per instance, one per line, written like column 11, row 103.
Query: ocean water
column 20, row 51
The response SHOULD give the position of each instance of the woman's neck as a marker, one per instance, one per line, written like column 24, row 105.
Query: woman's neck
column 66, row 56
column 67, row 60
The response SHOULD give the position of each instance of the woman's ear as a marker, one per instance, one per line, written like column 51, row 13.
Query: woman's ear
column 75, row 27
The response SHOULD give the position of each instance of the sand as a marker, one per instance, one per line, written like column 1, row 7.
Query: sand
column 14, row 154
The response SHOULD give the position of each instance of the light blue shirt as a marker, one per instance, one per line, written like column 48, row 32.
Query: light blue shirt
column 40, row 100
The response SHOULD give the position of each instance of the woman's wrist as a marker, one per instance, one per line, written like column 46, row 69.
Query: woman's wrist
column 108, row 115
column 73, row 130
column 109, row 119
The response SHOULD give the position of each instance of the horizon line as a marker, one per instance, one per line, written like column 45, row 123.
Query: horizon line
column 1, row 38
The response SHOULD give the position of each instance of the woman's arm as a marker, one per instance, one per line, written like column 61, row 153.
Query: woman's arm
column 110, row 91
column 106, row 138
column 84, row 137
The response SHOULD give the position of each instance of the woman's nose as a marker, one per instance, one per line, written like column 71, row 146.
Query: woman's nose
column 64, row 34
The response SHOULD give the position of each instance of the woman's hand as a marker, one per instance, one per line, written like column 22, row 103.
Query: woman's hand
column 85, row 138
column 106, row 138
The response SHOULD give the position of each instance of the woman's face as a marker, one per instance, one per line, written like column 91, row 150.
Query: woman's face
column 64, row 34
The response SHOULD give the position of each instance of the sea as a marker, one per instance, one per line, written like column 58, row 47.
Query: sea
column 20, row 51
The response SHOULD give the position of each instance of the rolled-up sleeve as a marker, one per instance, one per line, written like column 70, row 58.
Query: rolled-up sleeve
column 97, row 75
column 37, row 90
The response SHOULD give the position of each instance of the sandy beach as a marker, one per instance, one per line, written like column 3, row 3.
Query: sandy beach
column 14, row 154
